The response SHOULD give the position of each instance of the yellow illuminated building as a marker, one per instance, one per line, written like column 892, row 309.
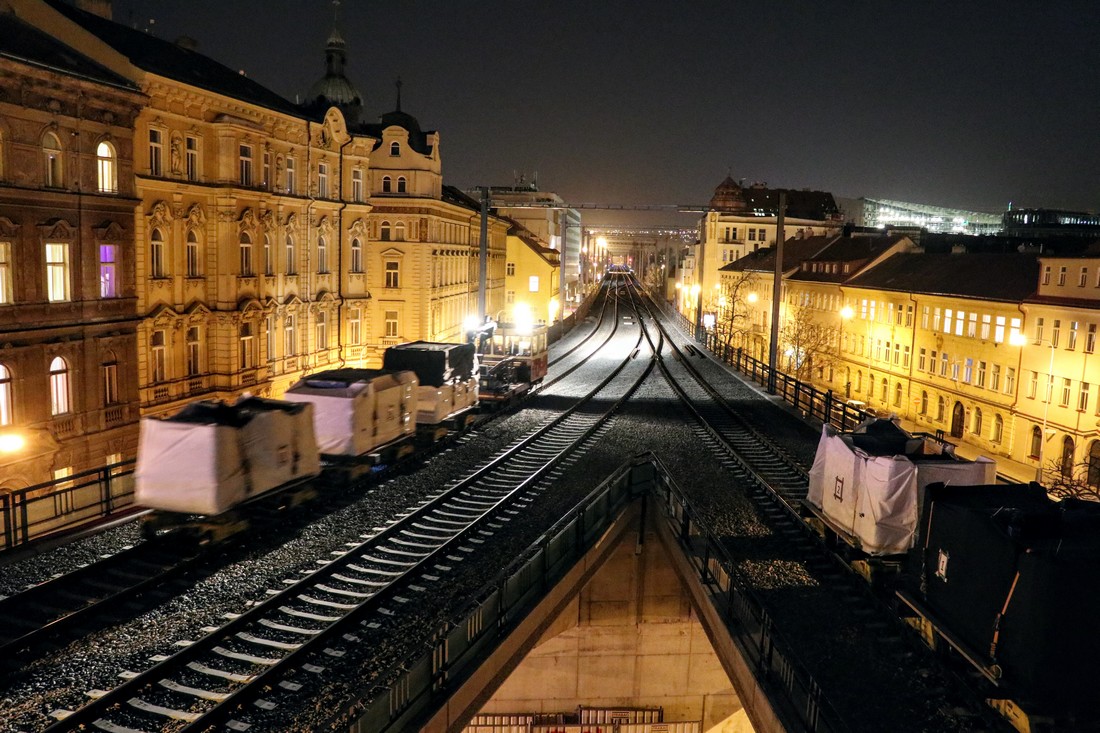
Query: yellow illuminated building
column 531, row 283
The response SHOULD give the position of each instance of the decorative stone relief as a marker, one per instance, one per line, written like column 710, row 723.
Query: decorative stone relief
column 196, row 216
column 161, row 215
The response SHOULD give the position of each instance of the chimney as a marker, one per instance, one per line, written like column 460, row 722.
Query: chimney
column 102, row 8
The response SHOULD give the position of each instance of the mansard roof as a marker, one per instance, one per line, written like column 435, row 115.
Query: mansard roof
column 418, row 139
column 759, row 200
column 1007, row 277
column 175, row 62
column 23, row 42
column 853, row 252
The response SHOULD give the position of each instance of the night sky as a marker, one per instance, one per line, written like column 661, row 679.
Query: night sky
column 970, row 104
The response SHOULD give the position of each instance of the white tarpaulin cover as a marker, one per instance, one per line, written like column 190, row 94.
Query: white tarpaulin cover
column 876, row 498
column 358, row 410
column 211, row 456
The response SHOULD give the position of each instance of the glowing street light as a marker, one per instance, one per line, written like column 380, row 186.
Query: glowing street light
column 12, row 442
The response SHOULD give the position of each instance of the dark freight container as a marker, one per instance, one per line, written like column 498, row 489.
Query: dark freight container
column 435, row 364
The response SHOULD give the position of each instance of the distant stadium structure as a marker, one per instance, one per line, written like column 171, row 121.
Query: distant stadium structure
column 884, row 213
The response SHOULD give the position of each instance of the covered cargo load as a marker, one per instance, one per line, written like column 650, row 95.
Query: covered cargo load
column 868, row 484
column 435, row 364
column 212, row 456
column 1014, row 575
column 358, row 410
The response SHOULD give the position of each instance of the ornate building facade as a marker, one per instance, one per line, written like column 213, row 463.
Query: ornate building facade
column 68, row 296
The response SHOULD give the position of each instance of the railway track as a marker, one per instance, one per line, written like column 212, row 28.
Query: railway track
column 288, row 641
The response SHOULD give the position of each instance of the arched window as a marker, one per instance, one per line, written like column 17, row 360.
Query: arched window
column 1066, row 466
column 158, row 365
column 60, row 399
column 399, row 231
column 156, row 255
column 897, row 394
column 194, row 258
column 976, row 420
column 941, row 408
column 106, row 178
column 1094, row 460
column 6, row 405
column 1036, row 442
column 322, row 255
column 998, row 429
column 291, row 258
column 924, row 402
column 246, row 255
column 884, row 389
column 402, row 184
column 387, row 184
column 859, row 380
column 395, row 148
column 870, row 384
column 51, row 152
column 385, row 231
column 356, row 255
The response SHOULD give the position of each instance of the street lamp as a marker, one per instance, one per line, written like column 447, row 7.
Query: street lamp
column 1018, row 339
column 11, row 442
column 698, row 293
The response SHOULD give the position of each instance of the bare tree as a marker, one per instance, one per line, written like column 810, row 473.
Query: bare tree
column 729, row 304
column 805, row 344
column 1071, row 484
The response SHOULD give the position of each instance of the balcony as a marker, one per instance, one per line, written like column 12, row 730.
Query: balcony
column 114, row 415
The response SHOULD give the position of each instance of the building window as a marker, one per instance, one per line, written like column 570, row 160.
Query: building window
column 941, row 408
column 1039, row 323
column 355, row 328
column 392, row 329
column 897, row 394
column 156, row 152
column 60, row 398
column 510, row 297
column 245, row 163
column 159, row 362
column 109, row 374
column 246, row 255
column 924, row 402
column 1066, row 466
column 54, row 161
column 402, row 185
column 194, row 259
column 267, row 169
column 968, row 371
column 106, row 178
column 357, row 185
column 1056, row 332
column 291, row 176
column 981, row 374
column 7, row 293
column 395, row 149
column 1033, row 385
column 246, row 346
column 322, row 330
column 269, row 257
column 1083, row 277
column 1066, row 390
column 387, row 184
column 384, row 231
column 944, row 360
column 976, row 422
column 108, row 277
column 269, row 336
column 322, row 180
column 998, row 429
column 510, row 269
column 921, row 359
column 972, row 325
column 57, row 272
column 995, row 377
column 883, row 390
column 1062, row 275
column 156, row 254
column 905, row 357
column 925, row 312
column 1090, row 338
column 291, row 259
column 191, row 145
column 290, row 345
column 6, row 404
column 322, row 255
column 533, row 284
column 1010, row 380
column 393, row 274
column 1046, row 275
column 356, row 255
column 1083, row 397
column 399, row 231
column 194, row 352
column 1071, row 342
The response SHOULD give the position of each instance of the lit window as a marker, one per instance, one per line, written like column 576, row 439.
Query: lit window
column 60, row 398
column 192, row 162
column 6, row 283
column 1071, row 342
column 291, row 259
column 290, row 345
column 322, row 330
column 245, row 163
column 246, row 346
column 267, row 169
column 269, row 334
column 109, row 374
column 393, row 274
column 57, row 271
column 51, row 151
column 392, row 324
column 1090, row 339
column 269, row 257
column 194, row 352
column 156, row 254
column 1083, row 397
column 355, row 336
column 194, row 262
column 322, row 180
column 6, row 405
column 291, row 176
column 322, row 255
column 399, row 231
column 106, row 180
column 108, row 278
column 159, row 362
column 246, row 255
column 357, row 185
column 356, row 255
column 156, row 152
